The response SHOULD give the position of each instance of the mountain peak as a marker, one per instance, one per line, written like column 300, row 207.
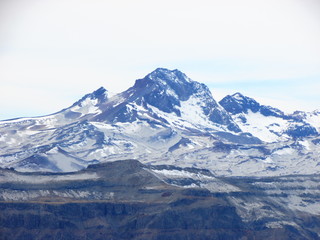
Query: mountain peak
column 164, row 83
column 166, row 76
column 100, row 95
column 239, row 96
column 238, row 103
column 170, row 91
column 88, row 104
column 100, row 92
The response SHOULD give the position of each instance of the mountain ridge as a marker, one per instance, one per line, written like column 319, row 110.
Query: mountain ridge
column 243, row 109
column 165, row 118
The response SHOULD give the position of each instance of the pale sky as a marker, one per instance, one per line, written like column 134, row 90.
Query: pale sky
column 52, row 52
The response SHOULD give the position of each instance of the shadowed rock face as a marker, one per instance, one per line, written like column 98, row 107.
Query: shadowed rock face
column 129, row 200
column 239, row 106
column 238, row 103
column 165, row 90
column 118, row 221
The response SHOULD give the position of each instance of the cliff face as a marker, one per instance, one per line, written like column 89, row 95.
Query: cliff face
column 129, row 200
column 182, row 219
column 96, row 220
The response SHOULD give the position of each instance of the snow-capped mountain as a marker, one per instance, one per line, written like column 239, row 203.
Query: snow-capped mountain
column 165, row 118
column 267, row 123
column 166, row 97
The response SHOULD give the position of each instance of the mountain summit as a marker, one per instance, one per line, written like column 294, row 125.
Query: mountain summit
column 166, row 94
column 238, row 103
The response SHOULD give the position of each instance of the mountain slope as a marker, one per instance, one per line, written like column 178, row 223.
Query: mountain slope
column 168, row 96
column 267, row 123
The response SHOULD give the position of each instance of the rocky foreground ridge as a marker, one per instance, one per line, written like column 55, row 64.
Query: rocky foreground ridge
column 129, row 200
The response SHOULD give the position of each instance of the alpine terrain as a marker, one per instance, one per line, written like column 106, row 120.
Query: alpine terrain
column 161, row 160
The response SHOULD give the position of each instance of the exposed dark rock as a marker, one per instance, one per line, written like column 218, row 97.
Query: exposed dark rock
column 299, row 131
column 238, row 103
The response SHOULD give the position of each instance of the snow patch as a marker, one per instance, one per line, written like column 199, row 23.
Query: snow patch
column 87, row 106
column 209, row 182
column 30, row 179
column 265, row 128
column 313, row 119
column 306, row 144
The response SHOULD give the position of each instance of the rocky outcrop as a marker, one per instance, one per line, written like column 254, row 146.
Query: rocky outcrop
column 96, row 220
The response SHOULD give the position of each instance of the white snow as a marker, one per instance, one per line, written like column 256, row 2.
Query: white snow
column 181, row 174
column 306, row 144
column 237, row 96
column 314, row 119
column 192, row 116
column 88, row 106
column 191, row 111
column 16, row 195
column 268, row 160
column 50, row 121
column 13, row 177
column 101, row 125
column 285, row 151
column 261, row 126
column 64, row 162
column 209, row 182
column 171, row 92
column 280, row 224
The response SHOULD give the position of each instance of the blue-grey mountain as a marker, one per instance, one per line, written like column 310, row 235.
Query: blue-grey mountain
column 166, row 118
